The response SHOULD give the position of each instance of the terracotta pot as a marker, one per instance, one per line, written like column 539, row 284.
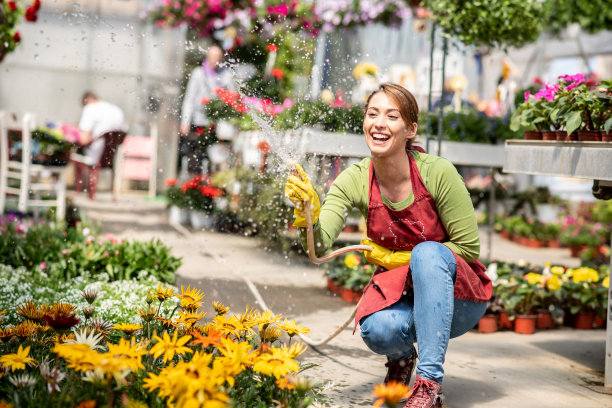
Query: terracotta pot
column 554, row 243
column 572, row 137
column 600, row 322
column 549, row 135
column 505, row 234
column 350, row 295
column 533, row 243
column 584, row 320
column 331, row 285
column 525, row 324
column 545, row 320
column 589, row 135
column 606, row 136
column 532, row 135
column 575, row 250
column 488, row 324
column 561, row 135
column 505, row 322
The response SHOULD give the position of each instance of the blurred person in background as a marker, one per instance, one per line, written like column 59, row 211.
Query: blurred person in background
column 196, row 132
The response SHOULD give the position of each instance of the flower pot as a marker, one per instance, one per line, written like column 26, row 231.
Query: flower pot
column 561, row 135
column 606, row 136
column 525, row 324
column 589, row 135
column 505, row 234
column 554, row 243
column 549, row 135
column 584, row 320
column 177, row 215
column 350, row 295
column 600, row 322
column 545, row 320
column 201, row 220
column 575, row 250
column 532, row 135
column 505, row 322
column 533, row 243
column 488, row 324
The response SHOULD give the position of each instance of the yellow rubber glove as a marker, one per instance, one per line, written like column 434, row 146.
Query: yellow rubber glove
column 384, row 257
column 299, row 189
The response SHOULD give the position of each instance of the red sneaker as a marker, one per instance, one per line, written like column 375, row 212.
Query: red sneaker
column 425, row 394
column 401, row 370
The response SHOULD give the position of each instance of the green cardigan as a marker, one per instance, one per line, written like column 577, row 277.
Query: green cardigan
column 446, row 186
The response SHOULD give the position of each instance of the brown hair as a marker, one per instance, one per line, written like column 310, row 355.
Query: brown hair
column 407, row 104
column 88, row 95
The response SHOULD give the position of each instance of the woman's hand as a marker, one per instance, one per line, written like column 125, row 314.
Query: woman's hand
column 384, row 257
column 299, row 189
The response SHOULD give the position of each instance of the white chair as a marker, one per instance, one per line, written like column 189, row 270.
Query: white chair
column 26, row 181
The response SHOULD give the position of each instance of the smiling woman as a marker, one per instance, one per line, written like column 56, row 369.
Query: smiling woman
column 428, row 286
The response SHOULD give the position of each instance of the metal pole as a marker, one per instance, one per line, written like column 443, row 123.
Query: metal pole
column 431, row 62
column 608, row 366
column 441, row 112
column 491, row 215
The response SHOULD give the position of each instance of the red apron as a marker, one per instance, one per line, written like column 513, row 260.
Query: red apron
column 403, row 230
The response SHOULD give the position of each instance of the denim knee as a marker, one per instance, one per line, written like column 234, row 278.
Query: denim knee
column 432, row 255
column 388, row 332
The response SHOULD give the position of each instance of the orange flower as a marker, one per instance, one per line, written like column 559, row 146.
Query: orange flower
column 277, row 73
column 272, row 48
column 213, row 338
column 171, row 182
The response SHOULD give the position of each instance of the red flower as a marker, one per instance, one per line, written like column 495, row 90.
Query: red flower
column 61, row 322
column 36, row 5
column 199, row 130
column 209, row 191
column 271, row 48
column 205, row 101
column 263, row 147
column 277, row 73
column 171, row 182
column 12, row 5
column 30, row 14
column 17, row 36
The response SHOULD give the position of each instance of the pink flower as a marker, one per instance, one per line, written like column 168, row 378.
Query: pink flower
column 64, row 251
column 527, row 95
column 281, row 9
column 43, row 265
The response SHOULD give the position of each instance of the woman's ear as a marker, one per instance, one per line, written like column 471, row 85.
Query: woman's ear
column 412, row 131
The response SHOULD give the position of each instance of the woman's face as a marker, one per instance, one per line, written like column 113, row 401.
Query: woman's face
column 385, row 130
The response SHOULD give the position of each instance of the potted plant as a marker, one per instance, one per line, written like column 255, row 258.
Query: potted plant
column 584, row 106
column 489, row 323
column 549, row 294
column 520, row 300
column 176, row 201
column 535, row 114
column 200, row 199
column 581, row 292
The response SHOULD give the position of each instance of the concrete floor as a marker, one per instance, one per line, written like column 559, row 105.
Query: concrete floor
column 556, row 368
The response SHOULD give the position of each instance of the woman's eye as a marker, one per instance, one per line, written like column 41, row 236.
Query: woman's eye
column 372, row 114
column 392, row 117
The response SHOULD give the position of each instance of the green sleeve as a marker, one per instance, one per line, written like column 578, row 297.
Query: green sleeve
column 454, row 207
column 349, row 190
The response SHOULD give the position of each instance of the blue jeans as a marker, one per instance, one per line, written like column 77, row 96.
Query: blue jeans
column 429, row 315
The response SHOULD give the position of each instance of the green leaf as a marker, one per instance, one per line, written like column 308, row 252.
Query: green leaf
column 573, row 122
column 608, row 125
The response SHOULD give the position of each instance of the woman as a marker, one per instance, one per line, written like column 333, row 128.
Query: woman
column 429, row 286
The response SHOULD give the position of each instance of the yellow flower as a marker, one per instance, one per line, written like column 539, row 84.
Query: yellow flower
column 162, row 294
column 265, row 319
column 230, row 325
column 189, row 317
column 292, row 329
column 365, row 68
column 127, row 328
column 557, row 270
column 168, row 347
column 128, row 353
column 190, row 298
column 220, row 308
column 352, row 260
column 235, row 358
column 277, row 363
column 30, row 311
column 270, row 334
column 296, row 349
column 606, row 282
column 533, row 278
column 17, row 361
column 553, row 283
column 390, row 393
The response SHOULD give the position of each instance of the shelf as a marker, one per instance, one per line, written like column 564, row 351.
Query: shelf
column 588, row 160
